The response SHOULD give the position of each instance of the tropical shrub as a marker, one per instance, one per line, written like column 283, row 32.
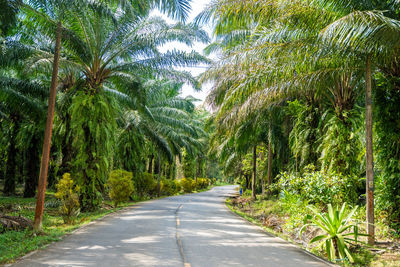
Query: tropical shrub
column 296, row 207
column 202, row 183
column 320, row 187
column 178, row 186
column 168, row 187
column 387, row 129
column 144, row 184
column 120, row 186
column 187, row 185
column 68, row 194
column 194, row 184
column 338, row 231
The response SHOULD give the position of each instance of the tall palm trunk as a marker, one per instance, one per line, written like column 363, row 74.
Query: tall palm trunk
column 11, row 166
column 369, row 154
column 254, row 176
column 269, row 171
column 66, row 148
column 32, row 167
column 47, row 134
column 150, row 169
column 158, row 172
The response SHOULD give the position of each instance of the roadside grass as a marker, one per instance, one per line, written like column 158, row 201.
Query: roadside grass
column 284, row 221
column 15, row 244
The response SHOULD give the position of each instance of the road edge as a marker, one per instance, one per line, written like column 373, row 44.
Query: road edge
column 271, row 233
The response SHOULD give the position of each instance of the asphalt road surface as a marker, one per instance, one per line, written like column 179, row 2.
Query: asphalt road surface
column 189, row 230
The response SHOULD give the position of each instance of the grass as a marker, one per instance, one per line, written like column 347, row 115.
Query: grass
column 290, row 216
column 14, row 244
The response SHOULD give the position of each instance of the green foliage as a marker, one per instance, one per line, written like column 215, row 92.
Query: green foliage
column 387, row 128
column 320, row 187
column 187, row 185
column 202, row 183
column 168, row 187
column 145, row 184
column 68, row 194
column 303, row 137
column 120, row 186
column 93, row 127
column 341, row 145
column 295, row 206
column 338, row 231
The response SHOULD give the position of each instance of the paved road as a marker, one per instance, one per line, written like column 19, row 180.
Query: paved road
column 190, row 230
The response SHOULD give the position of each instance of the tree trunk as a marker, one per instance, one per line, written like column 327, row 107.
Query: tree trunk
column 10, row 173
column 253, row 180
column 269, row 171
column 369, row 154
column 150, row 170
column 47, row 134
column 32, row 167
column 66, row 148
column 158, row 175
column 262, row 178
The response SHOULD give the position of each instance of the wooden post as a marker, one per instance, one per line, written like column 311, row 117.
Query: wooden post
column 369, row 154
column 37, row 226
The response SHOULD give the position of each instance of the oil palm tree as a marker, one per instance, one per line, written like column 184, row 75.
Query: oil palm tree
column 106, row 51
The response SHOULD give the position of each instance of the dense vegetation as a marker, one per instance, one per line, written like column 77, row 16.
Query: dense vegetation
column 305, row 103
column 118, row 103
column 296, row 86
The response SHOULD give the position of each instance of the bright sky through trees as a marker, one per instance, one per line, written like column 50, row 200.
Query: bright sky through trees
column 197, row 7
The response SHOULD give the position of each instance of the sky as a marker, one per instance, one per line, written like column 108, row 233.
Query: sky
column 197, row 7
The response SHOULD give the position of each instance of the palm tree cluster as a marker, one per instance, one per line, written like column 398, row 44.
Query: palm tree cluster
column 298, row 78
column 114, row 97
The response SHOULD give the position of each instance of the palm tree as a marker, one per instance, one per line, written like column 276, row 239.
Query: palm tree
column 8, row 15
column 374, row 36
column 22, row 105
column 164, row 121
column 113, row 52
column 282, row 41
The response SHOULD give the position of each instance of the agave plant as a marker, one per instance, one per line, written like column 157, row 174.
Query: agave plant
column 338, row 231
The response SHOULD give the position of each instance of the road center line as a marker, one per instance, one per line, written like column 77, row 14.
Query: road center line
column 178, row 238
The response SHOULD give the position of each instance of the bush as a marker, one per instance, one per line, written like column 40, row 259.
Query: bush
column 202, row 183
column 120, row 186
column 144, row 184
column 187, row 185
column 168, row 187
column 337, row 231
column 320, row 187
column 178, row 186
column 67, row 193
column 194, row 185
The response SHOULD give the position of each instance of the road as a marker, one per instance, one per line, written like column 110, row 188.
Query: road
column 188, row 230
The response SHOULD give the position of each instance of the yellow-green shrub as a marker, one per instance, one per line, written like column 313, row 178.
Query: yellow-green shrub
column 178, row 186
column 187, row 185
column 202, row 183
column 194, row 184
column 68, row 194
column 120, row 186
column 168, row 187
column 145, row 184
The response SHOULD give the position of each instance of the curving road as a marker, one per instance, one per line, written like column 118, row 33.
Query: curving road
column 188, row 230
